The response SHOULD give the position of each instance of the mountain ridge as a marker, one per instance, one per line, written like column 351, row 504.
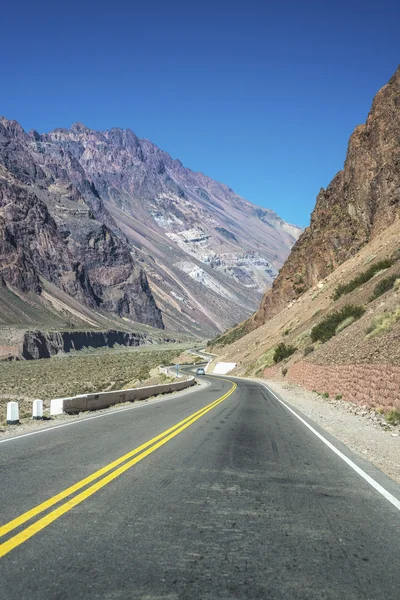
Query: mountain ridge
column 208, row 253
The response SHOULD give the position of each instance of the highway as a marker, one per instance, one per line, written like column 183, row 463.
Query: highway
column 218, row 493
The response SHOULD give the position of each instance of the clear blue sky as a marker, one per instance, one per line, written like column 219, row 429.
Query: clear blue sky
column 259, row 95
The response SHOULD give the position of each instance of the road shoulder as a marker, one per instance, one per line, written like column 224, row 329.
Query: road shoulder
column 355, row 428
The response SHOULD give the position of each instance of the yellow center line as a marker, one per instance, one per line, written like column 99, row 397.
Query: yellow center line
column 17, row 522
column 141, row 452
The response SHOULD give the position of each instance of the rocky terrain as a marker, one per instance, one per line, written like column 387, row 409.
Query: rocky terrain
column 359, row 203
column 48, row 231
column 331, row 322
column 38, row 344
column 122, row 228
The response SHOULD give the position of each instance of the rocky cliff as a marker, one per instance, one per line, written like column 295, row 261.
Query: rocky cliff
column 38, row 344
column 359, row 203
column 50, row 229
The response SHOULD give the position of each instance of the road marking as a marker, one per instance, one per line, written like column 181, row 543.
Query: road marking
column 143, row 403
column 142, row 451
column 80, row 484
column 377, row 486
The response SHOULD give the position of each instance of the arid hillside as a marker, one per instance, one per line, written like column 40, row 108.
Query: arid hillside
column 359, row 203
column 331, row 321
column 359, row 353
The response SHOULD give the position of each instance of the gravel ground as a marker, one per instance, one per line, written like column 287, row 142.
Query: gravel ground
column 363, row 430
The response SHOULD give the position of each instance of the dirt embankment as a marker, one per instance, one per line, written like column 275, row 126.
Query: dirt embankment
column 360, row 362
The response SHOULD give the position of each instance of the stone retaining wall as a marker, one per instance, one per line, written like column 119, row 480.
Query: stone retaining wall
column 370, row 384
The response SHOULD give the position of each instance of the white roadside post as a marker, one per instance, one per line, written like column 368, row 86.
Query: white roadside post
column 12, row 413
column 37, row 410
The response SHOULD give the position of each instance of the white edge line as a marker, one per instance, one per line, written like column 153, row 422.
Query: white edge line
column 377, row 486
column 142, row 404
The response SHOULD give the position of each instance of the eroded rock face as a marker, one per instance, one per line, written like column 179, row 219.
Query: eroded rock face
column 360, row 202
column 38, row 344
column 48, row 230
column 209, row 253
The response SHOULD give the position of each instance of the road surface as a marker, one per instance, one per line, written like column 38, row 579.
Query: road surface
column 221, row 493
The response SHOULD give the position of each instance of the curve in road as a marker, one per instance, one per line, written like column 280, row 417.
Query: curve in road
column 221, row 493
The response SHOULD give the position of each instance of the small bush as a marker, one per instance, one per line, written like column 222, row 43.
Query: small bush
column 383, row 323
column 363, row 277
column 325, row 395
column 338, row 396
column 396, row 255
column 383, row 286
column 250, row 368
column 393, row 417
column 143, row 374
column 327, row 327
column 299, row 278
column 282, row 351
column 344, row 324
column 308, row 350
column 287, row 331
column 302, row 337
column 266, row 359
column 284, row 371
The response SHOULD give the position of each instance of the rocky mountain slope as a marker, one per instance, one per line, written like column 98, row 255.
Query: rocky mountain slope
column 331, row 321
column 48, row 231
column 361, row 361
column 359, row 203
column 113, row 207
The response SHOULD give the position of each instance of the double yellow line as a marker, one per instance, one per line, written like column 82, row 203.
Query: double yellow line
column 138, row 454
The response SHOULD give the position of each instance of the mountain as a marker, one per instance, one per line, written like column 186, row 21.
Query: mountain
column 331, row 322
column 361, row 201
column 48, row 233
column 136, row 232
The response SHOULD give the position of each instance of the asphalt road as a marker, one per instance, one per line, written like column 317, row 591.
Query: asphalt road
column 241, row 501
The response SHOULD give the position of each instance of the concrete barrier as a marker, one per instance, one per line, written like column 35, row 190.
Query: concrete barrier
column 222, row 368
column 85, row 402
